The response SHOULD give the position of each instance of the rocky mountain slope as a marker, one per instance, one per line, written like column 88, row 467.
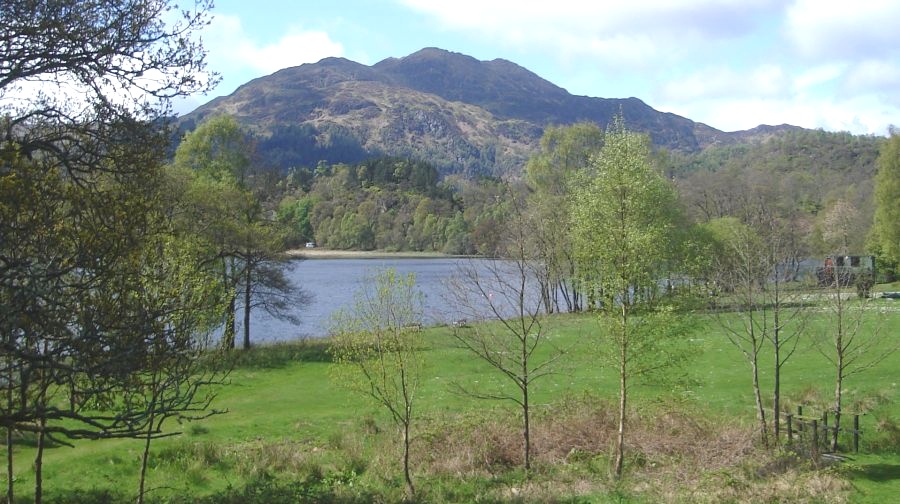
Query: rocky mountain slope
column 461, row 114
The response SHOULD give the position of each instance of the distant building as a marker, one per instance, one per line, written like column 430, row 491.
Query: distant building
column 838, row 270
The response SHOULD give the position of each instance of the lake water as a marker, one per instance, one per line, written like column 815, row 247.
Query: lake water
column 333, row 283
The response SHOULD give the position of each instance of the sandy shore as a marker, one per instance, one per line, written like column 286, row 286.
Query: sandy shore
column 320, row 253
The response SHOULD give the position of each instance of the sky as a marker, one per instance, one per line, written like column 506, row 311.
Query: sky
column 732, row 64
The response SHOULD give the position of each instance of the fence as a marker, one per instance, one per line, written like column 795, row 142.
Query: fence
column 819, row 431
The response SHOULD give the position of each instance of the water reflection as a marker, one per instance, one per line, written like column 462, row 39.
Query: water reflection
column 333, row 282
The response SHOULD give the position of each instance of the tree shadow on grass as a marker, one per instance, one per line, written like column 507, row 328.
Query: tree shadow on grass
column 84, row 497
column 878, row 472
column 278, row 355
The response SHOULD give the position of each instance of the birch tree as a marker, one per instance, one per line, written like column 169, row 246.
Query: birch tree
column 622, row 224
column 377, row 345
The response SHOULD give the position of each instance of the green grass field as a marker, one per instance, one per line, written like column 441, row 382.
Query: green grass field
column 291, row 434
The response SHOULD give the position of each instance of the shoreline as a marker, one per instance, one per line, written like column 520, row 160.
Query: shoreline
column 319, row 253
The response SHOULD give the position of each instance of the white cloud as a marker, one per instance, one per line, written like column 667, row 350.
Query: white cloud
column 764, row 81
column 639, row 33
column 873, row 77
column 238, row 57
column 732, row 64
column 837, row 29
column 862, row 115
column 817, row 76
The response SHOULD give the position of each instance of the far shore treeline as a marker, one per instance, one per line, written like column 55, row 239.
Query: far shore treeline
column 396, row 204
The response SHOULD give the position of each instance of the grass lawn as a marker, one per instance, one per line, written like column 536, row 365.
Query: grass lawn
column 287, row 420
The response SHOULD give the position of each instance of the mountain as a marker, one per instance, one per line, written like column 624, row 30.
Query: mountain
column 454, row 111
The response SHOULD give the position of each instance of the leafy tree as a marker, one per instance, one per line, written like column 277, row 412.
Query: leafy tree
column 621, row 217
column 564, row 151
column 384, row 203
column 886, row 229
column 218, row 150
column 841, row 228
column 167, row 327
column 377, row 348
column 293, row 212
column 247, row 245
column 82, row 142
column 76, row 330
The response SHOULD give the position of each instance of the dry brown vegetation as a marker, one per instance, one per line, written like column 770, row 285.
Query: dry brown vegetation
column 675, row 456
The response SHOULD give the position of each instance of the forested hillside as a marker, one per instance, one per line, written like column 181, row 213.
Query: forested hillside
column 390, row 204
column 402, row 204
column 809, row 175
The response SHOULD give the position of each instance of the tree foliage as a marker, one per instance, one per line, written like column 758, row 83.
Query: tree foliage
column 622, row 226
column 385, row 204
column 564, row 152
column 886, row 229
column 82, row 84
column 222, row 200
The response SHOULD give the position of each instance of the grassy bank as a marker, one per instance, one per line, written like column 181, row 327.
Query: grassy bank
column 291, row 434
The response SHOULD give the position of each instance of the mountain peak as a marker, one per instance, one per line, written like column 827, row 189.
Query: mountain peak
column 455, row 111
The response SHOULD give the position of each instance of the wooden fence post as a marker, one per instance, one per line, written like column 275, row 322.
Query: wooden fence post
column 856, row 433
column 790, row 430
column 815, row 438
column 800, row 426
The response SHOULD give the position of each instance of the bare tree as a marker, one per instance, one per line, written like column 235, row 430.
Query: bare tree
column 741, row 272
column 517, row 346
column 789, row 310
column 851, row 342
column 754, row 267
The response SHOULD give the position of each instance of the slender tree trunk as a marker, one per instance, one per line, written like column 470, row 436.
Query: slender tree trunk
column 776, row 346
column 760, row 411
column 10, row 396
column 406, row 474
column 39, row 463
column 838, row 384
column 247, row 295
column 623, row 391
column 526, row 431
column 229, row 335
column 145, row 456
column 10, row 491
column 42, row 424
column 229, row 331
column 839, row 363
column 776, row 393
column 620, row 438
